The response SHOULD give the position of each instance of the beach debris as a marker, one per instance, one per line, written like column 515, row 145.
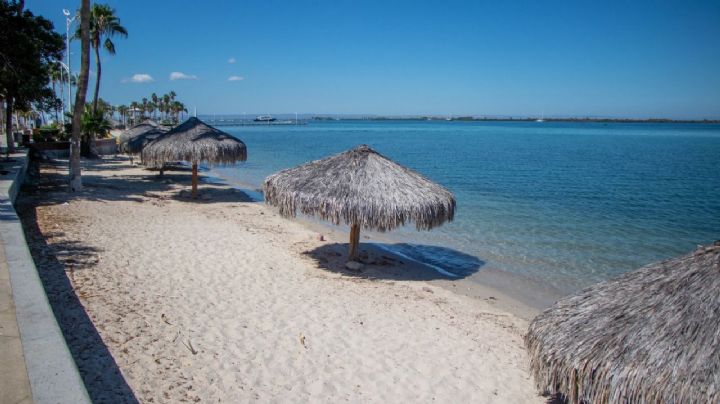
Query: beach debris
column 164, row 318
column 366, row 258
column 190, row 347
column 320, row 237
column 302, row 341
column 427, row 289
column 353, row 265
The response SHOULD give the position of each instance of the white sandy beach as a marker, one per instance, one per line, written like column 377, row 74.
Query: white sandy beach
column 223, row 300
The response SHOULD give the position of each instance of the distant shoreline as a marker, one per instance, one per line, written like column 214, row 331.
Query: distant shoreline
column 511, row 119
column 232, row 119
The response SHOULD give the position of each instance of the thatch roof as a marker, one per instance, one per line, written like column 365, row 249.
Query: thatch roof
column 131, row 133
column 648, row 336
column 136, row 144
column 194, row 141
column 363, row 187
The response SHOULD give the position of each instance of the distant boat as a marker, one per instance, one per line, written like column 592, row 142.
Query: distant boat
column 542, row 118
column 264, row 118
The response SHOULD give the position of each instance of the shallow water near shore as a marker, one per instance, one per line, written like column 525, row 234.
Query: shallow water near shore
column 559, row 205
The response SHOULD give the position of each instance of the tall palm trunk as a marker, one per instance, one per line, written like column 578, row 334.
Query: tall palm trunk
column 75, row 179
column 89, row 149
column 98, row 67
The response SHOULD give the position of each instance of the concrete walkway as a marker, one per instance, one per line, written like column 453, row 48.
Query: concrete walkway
column 14, row 382
column 35, row 363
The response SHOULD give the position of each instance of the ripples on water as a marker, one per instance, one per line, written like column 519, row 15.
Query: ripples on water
column 564, row 204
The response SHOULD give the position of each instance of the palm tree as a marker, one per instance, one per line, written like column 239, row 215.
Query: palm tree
column 144, row 107
column 123, row 110
column 56, row 76
column 177, row 107
column 94, row 122
column 154, row 99
column 133, row 109
column 75, row 179
column 166, row 104
column 104, row 24
column 151, row 109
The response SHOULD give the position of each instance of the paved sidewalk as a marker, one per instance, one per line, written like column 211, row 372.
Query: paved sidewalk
column 14, row 382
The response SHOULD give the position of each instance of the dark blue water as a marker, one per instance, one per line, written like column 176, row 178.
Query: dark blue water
column 565, row 204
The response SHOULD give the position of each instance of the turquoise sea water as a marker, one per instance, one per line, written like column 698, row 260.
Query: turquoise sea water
column 563, row 204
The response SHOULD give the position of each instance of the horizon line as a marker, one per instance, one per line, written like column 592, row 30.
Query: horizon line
column 460, row 116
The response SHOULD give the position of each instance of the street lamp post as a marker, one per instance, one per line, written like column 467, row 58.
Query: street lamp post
column 68, row 22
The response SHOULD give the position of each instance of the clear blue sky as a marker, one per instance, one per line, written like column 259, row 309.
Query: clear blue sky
column 570, row 58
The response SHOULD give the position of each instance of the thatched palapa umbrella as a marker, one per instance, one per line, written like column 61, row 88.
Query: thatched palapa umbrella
column 195, row 142
column 136, row 144
column 136, row 130
column 648, row 336
column 362, row 189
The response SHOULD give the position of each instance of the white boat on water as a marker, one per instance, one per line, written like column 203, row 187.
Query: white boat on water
column 542, row 118
column 264, row 118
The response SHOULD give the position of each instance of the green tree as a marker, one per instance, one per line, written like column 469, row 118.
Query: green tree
column 155, row 102
column 133, row 110
column 166, row 105
column 94, row 123
column 75, row 173
column 177, row 107
column 28, row 44
column 144, row 108
column 123, row 110
column 57, row 77
column 104, row 25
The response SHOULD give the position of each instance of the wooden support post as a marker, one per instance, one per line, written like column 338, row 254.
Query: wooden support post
column 354, row 242
column 194, row 180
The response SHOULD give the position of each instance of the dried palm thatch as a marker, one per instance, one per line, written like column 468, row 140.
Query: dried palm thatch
column 363, row 189
column 195, row 142
column 648, row 336
column 136, row 144
column 136, row 130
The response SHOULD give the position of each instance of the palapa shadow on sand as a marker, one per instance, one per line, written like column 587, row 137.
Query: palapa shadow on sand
column 174, row 184
column 379, row 263
column 98, row 369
